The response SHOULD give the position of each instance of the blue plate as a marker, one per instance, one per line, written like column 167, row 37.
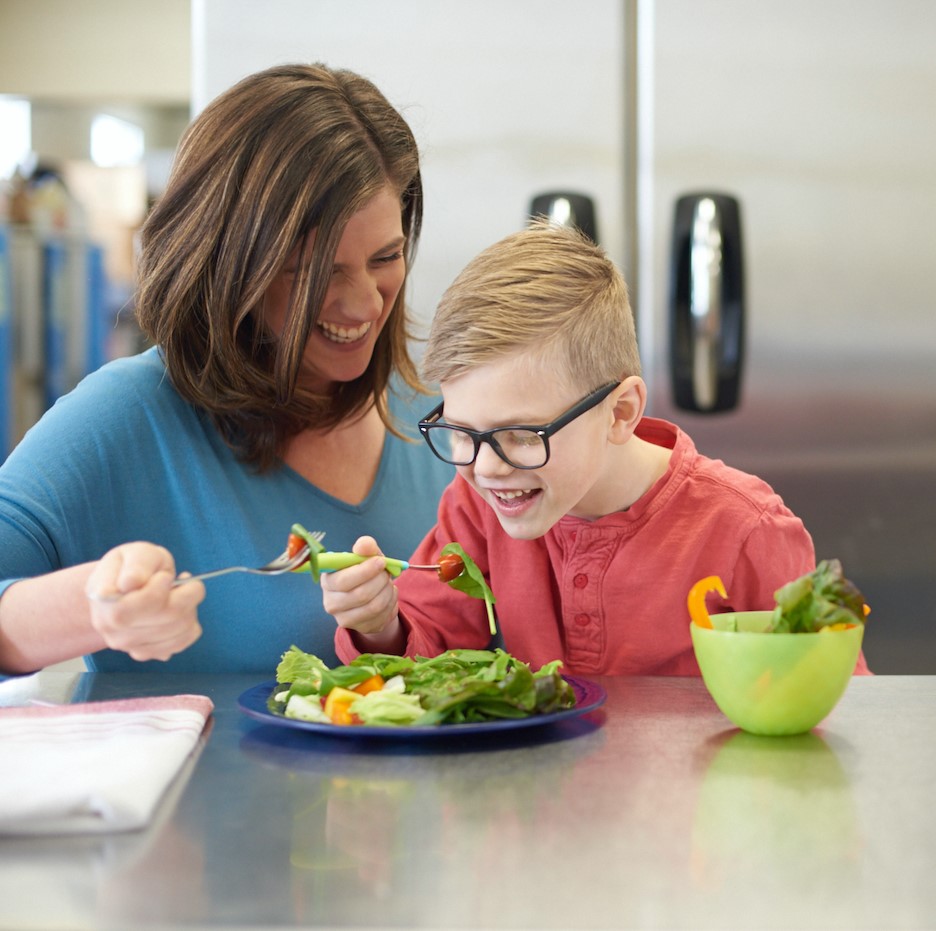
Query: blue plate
column 588, row 696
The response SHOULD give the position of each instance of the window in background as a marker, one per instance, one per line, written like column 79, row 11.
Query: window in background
column 115, row 142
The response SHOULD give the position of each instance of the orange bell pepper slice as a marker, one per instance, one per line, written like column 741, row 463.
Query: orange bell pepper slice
column 696, row 600
column 372, row 684
column 338, row 705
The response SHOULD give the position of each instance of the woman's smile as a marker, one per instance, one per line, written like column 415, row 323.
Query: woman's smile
column 343, row 334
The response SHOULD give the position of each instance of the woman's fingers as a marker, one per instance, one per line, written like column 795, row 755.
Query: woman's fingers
column 134, row 606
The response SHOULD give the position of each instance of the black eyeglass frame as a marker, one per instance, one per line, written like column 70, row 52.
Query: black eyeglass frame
column 543, row 431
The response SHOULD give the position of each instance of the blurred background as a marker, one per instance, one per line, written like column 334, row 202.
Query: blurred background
column 763, row 171
column 93, row 98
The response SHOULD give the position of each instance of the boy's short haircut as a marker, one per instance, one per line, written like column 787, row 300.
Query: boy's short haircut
column 547, row 291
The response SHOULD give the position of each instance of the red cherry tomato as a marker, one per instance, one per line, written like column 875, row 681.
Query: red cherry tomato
column 451, row 566
column 294, row 544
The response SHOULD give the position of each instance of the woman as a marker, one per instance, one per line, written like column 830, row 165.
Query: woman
column 271, row 281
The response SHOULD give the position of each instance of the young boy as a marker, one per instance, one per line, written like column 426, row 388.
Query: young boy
column 590, row 521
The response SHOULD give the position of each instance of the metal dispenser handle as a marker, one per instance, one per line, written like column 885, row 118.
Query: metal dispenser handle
column 565, row 208
column 706, row 303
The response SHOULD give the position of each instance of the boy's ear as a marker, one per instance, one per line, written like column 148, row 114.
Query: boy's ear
column 630, row 401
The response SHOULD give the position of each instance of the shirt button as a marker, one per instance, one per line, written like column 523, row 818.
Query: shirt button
column 573, row 535
column 580, row 581
column 583, row 620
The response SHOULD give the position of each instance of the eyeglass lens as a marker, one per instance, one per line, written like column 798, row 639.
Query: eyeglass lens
column 522, row 448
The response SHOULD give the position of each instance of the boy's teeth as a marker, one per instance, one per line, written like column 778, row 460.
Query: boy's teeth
column 343, row 334
column 509, row 495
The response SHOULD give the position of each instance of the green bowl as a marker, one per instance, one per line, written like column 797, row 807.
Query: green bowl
column 774, row 684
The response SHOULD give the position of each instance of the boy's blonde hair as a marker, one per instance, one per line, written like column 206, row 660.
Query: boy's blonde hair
column 548, row 291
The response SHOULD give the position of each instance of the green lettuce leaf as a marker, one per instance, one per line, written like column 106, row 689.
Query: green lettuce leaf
column 818, row 599
column 315, row 547
column 472, row 582
column 392, row 709
column 297, row 666
column 306, row 674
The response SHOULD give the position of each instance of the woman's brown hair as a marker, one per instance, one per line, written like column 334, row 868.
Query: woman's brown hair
column 286, row 151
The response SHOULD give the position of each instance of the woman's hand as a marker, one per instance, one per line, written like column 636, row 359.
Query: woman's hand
column 363, row 599
column 148, row 618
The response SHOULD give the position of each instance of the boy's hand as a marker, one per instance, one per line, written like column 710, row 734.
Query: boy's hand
column 362, row 598
column 149, row 619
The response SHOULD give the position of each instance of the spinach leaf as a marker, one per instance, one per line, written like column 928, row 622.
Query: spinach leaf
column 472, row 582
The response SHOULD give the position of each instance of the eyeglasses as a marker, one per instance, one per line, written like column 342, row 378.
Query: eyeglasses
column 523, row 446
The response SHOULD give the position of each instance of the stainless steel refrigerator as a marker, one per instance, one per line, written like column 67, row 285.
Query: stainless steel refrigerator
column 817, row 118
column 783, row 192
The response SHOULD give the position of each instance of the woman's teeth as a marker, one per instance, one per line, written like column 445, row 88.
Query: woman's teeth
column 343, row 334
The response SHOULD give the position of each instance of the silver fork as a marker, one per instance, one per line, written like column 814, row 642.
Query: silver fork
column 283, row 563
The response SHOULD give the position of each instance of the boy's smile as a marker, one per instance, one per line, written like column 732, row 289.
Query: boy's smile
column 513, row 503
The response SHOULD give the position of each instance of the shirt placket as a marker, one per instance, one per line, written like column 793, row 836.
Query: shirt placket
column 582, row 615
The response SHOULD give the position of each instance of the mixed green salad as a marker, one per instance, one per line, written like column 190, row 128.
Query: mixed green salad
column 820, row 600
column 456, row 687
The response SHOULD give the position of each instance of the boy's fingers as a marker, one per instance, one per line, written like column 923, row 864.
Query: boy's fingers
column 370, row 618
column 369, row 574
column 366, row 546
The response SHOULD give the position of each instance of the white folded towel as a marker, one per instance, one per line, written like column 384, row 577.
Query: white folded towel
column 93, row 767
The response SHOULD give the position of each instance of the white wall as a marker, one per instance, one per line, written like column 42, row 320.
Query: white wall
column 507, row 100
column 96, row 50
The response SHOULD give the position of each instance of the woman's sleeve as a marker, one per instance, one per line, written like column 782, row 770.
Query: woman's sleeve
column 56, row 484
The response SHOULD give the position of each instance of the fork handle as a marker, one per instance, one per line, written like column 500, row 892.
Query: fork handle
column 332, row 562
column 204, row 575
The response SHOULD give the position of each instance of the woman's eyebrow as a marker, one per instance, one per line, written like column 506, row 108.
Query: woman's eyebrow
column 397, row 243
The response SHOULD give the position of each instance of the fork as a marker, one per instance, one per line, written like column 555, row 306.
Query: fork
column 283, row 563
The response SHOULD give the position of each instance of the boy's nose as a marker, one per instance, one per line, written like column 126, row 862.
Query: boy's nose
column 488, row 462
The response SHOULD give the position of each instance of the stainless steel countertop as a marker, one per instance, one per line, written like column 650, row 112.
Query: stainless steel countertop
column 653, row 812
